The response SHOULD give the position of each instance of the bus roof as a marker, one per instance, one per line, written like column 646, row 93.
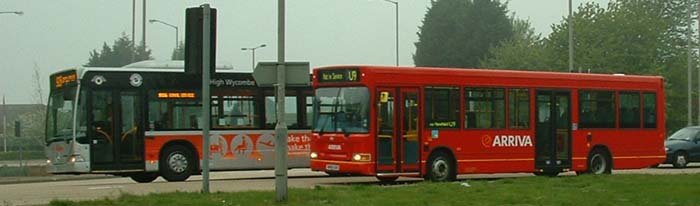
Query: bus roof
column 447, row 76
column 147, row 66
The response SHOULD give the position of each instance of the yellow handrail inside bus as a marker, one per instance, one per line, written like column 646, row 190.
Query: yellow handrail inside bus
column 109, row 138
column 132, row 130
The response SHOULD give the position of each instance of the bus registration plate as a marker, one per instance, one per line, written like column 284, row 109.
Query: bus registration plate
column 332, row 167
column 334, row 147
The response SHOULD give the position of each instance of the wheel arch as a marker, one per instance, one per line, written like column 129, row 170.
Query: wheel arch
column 605, row 149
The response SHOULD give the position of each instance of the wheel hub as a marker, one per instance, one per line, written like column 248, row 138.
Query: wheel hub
column 598, row 164
column 680, row 160
column 440, row 169
column 177, row 162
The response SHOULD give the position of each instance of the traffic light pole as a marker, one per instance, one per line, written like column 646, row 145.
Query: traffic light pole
column 206, row 94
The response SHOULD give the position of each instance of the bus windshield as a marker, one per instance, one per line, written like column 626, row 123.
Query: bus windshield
column 59, row 120
column 341, row 109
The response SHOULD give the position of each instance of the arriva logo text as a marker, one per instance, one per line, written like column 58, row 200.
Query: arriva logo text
column 506, row 141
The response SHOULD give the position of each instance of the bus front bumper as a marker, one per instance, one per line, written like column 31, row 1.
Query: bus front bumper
column 68, row 168
column 343, row 167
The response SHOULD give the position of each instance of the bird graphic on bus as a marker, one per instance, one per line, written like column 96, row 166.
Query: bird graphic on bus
column 268, row 143
column 241, row 148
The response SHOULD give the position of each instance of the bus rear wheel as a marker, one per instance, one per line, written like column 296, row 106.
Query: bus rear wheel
column 599, row 162
column 441, row 168
column 176, row 163
column 145, row 177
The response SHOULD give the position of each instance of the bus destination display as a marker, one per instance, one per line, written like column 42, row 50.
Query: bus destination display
column 339, row 75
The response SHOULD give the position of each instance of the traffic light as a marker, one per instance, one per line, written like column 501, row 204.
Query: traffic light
column 194, row 25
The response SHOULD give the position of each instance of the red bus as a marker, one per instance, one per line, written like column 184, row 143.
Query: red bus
column 144, row 121
column 436, row 123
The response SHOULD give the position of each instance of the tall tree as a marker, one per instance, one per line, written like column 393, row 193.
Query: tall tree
column 459, row 33
column 633, row 37
column 629, row 36
column 525, row 50
column 123, row 52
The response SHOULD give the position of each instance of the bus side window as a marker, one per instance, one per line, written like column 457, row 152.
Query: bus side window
column 194, row 122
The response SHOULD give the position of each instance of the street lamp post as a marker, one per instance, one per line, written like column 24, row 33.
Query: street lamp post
column 20, row 13
column 571, row 40
column 252, row 49
column 177, row 40
column 396, row 3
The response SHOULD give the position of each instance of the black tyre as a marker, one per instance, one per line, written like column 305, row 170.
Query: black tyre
column 145, row 177
column 680, row 160
column 387, row 180
column 599, row 163
column 441, row 168
column 177, row 163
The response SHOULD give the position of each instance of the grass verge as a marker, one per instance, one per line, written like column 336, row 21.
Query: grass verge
column 589, row 190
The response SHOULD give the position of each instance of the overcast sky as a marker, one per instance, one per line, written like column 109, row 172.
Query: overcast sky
column 59, row 34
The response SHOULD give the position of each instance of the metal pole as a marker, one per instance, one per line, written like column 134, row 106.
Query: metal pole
column 571, row 40
column 133, row 28
column 20, row 13
column 18, row 128
column 4, row 124
column 698, row 16
column 253, row 60
column 177, row 39
column 143, row 38
column 281, row 128
column 206, row 95
column 397, row 32
column 690, row 79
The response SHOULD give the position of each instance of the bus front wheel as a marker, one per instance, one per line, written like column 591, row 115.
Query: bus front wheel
column 176, row 163
column 145, row 177
column 441, row 168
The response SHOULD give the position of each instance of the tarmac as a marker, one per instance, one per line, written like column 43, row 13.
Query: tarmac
column 36, row 172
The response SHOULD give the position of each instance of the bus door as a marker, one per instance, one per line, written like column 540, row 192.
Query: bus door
column 116, row 139
column 553, row 131
column 397, row 133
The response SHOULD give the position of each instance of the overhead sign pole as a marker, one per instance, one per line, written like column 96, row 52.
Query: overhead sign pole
column 281, row 128
column 206, row 94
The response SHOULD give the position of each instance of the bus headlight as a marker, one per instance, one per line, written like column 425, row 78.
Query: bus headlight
column 77, row 158
column 48, row 162
column 313, row 155
column 364, row 157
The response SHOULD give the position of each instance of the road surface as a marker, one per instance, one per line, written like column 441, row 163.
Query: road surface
column 39, row 193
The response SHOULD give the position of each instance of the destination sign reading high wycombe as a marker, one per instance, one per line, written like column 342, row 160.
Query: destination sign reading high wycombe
column 339, row 75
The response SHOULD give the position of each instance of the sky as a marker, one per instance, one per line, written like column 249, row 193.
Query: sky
column 57, row 35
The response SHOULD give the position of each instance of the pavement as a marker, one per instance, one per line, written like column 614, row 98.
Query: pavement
column 50, row 178
column 37, row 173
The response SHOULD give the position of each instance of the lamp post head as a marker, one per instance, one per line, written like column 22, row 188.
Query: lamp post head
column 152, row 20
column 263, row 45
column 244, row 49
column 19, row 13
